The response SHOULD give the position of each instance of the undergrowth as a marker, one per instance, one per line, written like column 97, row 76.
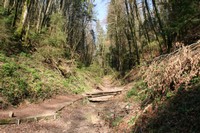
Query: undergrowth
column 169, row 93
column 172, row 86
column 139, row 91
column 25, row 76
column 179, row 113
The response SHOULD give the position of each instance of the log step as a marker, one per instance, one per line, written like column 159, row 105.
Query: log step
column 101, row 99
column 28, row 119
column 105, row 92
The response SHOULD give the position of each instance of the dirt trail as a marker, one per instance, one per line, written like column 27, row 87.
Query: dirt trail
column 82, row 116
column 47, row 107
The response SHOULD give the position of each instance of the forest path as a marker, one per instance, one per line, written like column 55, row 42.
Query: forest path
column 81, row 116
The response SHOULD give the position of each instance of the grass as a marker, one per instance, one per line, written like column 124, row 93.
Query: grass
column 116, row 121
column 25, row 76
column 138, row 91
column 132, row 120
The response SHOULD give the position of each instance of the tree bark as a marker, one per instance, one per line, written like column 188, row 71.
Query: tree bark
column 132, row 29
column 6, row 4
column 16, row 13
column 20, row 28
column 152, row 25
column 159, row 21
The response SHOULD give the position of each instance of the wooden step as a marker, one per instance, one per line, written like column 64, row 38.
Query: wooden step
column 105, row 92
column 101, row 99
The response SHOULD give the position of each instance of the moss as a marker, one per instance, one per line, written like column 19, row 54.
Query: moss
column 116, row 121
column 18, row 31
column 7, row 121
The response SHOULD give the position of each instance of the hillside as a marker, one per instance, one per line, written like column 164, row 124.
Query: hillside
column 167, row 90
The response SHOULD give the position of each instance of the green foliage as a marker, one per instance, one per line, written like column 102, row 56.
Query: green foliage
column 14, row 86
column 195, row 80
column 18, row 31
column 116, row 121
column 5, row 31
column 132, row 120
column 15, row 89
column 2, row 57
column 25, row 75
column 84, row 79
column 96, row 69
column 51, row 52
column 169, row 94
column 35, row 38
column 76, row 84
column 21, row 81
column 8, row 69
column 56, row 36
column 132, row 92
column 79, row 90
column 138, row 91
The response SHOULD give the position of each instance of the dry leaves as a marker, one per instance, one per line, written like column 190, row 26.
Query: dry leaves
column 173, row 70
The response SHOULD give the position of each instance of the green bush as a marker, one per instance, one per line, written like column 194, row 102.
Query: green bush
column 78, row 90
column 2, row 57
column 132, row 92
column 51, row 52
column 195, row 80
column 15, row 90
column 8, row 69
column 116, row 121
column 57, row 36
column 138, row 87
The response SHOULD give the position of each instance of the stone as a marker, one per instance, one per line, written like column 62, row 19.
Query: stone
column 11, row 114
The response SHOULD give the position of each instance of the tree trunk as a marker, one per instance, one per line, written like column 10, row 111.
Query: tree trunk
column 151, row 22
column 16, row 13
column 132, row 29
column 20, row 28
column 129, row 49
column 159, row 21
column 46, row 13
column 6, row 4
column 40, row 16
column 145, row 18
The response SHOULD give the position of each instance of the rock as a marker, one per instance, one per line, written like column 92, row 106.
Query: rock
column 11, row 114
column 148, row 109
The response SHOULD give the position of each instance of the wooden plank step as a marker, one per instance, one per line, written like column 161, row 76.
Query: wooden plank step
column 105, row 92
column 101, row 95
column 28, row 119
column 100, row 99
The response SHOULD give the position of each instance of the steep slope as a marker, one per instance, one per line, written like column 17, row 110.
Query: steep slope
column 168, row 93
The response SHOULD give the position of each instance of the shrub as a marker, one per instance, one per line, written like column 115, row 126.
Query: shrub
column 139, row 91
column 51, row 51
column 15, row 90
column 8, row 69
column 56, row 36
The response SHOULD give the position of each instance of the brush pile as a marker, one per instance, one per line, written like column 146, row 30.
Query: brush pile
column 172, row 71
